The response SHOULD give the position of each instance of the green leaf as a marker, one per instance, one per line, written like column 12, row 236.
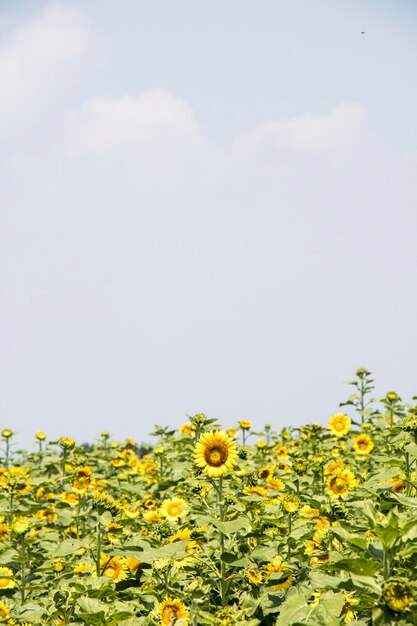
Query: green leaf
column 176, row 549
column 294, row 609
column 264, row 554
column 68, row 546
column 234, row 561
column 353, row 538
column 229, row 528
column 362, row 567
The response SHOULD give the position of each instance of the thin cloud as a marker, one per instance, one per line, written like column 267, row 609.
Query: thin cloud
column 154, row 119
column 37, row 53
column 338, row 131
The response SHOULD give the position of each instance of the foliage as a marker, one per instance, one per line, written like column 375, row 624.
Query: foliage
column 311, row 525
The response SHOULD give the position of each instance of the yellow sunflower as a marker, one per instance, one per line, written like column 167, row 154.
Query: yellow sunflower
column 215, row 453
column 114, row 567
column 40, row 435
column 339, row 425
column 84, row 569
column 245, row 424
column 171, row 610
column 253, row 575
column 132, row 564
column 276, row 484
column 186, row 429
column 4, row 610
column 174, row 508
column 278, row 566
column 265, row 473
column 340, row 483
column 66, row 443
column 4, row 532
column 281, row 452
column 82, row 479
column 363, row 444
column 7, row 578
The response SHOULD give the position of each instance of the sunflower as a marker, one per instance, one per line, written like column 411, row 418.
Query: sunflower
column 398, row 486
column 215, row 453
column 47, row 515
column 82, row 479
column 340, row 483
column 4, row 610
column 350, row 601
column 4, row 532
column 256, row 491
column 291, row 504
column 6, row 578
column 186, row 429
column 40, row 435
column 21, row 525
column 253, row 575
column 265, row 473
column 333, row 466
column 113, row 567
column 245, row 424
column 17, row 481
column 339, row 425
column 276, row 484
column 278, row 566
column 363, row 444
column 397, row 593
column 171, row 610
column 281, row 452
column 132, row 564
column 84, row 569
column 70, row 498
column 152, row 516
column 174, row 508
column 66, row 443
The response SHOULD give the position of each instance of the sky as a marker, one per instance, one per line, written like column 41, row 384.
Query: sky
column 204, row 207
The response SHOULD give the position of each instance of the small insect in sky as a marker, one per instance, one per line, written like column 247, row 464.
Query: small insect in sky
column 362, row 32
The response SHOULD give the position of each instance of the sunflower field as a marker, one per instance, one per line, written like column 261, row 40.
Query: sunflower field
column 216, row 525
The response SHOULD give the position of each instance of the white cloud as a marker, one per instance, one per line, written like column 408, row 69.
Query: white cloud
column 36, row 54
column 153, row 119
column 338, row 131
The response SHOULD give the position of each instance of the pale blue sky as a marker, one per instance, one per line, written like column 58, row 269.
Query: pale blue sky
column 204, row 206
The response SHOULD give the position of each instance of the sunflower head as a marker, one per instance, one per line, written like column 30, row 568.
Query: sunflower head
column 215, row 453
column 171, row 610
column 253, row 575
column 363, row 444
column 7, row 580
column 340, row 483
column 339, row 425
column 174, row 508
column 397, row 593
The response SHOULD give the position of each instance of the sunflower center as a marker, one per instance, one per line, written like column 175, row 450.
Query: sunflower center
column 338, row 485
column 168, row 614
column 175, row 510
column 216, row 454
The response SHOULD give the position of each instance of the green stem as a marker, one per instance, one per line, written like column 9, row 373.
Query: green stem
column 407, row 473
column 6, row 462
column 223, row 587
column 98, row 552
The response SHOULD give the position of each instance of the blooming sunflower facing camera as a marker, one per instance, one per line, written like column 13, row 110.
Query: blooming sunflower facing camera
column 340, row 483
column 215, row 453
column 339, row 425
column 363, row 444
column 171, row 610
